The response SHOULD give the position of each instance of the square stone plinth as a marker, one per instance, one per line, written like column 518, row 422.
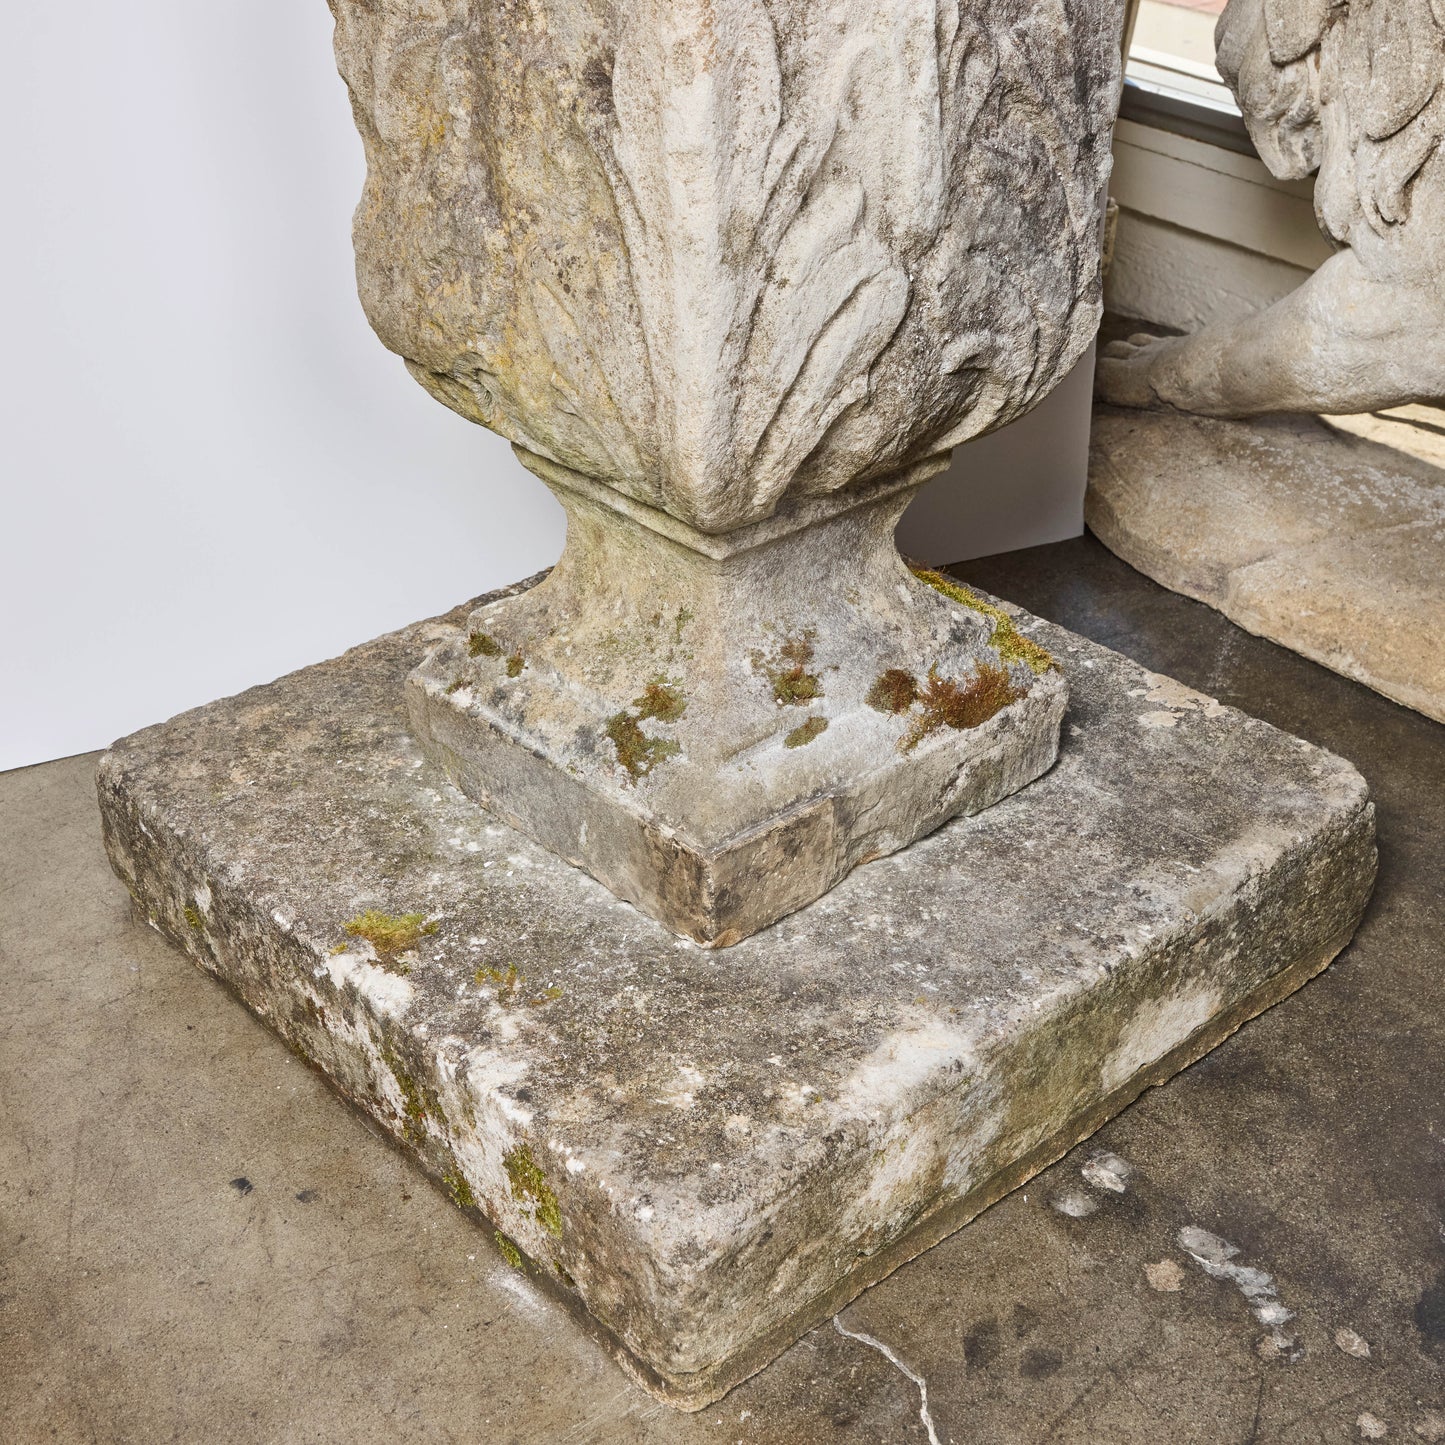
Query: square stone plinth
column 708, row 1152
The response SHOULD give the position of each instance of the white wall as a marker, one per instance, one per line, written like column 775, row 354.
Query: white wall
column 1020, row 487
column 212, row 471
column 1204, row 234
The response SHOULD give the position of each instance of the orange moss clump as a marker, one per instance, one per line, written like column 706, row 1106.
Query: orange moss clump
column 947, row 703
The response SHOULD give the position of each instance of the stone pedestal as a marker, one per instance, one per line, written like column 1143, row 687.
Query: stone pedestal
column 1328, row 543
column 719, row 728
column 708, row 1152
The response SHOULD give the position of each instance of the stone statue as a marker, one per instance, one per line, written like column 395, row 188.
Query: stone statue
column 1351, row 89
column 734, row 276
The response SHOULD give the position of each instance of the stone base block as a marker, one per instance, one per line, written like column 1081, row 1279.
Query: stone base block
column 1328, row 543
column 721, row 728
column 704, row 1152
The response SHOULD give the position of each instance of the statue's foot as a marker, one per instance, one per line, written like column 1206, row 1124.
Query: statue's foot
column 1130, row 373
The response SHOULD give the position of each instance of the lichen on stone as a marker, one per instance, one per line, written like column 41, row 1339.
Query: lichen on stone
column 390, row 934
column 805, row 732
column 529, row 1186
column 418, row 1103
column 946, row 703
column 1007, row 640
column 505, row 980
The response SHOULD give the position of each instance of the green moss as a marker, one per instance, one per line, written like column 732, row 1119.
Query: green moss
column 1007, row 640
column 418, row 1103
column 548, row 995
column 193, row 917
column 562, row 1274
column 506, row 980
column 459, row 1189
column 637, row 752
column 805, row 732
column 529, row 1186
column 894, row 691
column 390, row 934
column 479, row 644
column 515, row 663
column 947, row 703
column 684, row 616
column 456, row 685
column 661, row 700
column 793, row 684
column 510, row 1252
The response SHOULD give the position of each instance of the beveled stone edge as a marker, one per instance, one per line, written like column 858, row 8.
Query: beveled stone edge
column 693, row 1393
column 794, row 515
column 694, row 873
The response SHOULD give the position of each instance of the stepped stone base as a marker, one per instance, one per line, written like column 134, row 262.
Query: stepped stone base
column 704, row 1152
column 1328, row 543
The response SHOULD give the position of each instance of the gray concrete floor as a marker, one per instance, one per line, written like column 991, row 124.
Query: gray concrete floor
column 199, row 1242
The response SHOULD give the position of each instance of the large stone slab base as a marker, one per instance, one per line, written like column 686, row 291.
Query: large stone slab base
column 705, row 1152
column 1329, row 543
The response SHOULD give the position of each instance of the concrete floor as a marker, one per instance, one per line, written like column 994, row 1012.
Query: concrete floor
column 199, row 1242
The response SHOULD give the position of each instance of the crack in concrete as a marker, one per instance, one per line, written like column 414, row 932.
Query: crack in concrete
column 899, row 1365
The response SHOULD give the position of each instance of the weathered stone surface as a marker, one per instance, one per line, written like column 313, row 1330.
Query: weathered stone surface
column 747, row 718
column 712, row 266
column 1330, row 544
column 707, row 1152
column 713, row 252
column 1353, row 90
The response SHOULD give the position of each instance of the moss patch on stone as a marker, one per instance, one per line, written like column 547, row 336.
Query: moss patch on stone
column 418, row 1103
column 390, row 934
column 1007, row 640
column 661, row 700
column 515, row 663
column 480, row 644
column 193, row 917
column 506, row 980
column 530, row 1187
column 946, row 703
column 510, row 1252
column 637, row 752
column 793, row 684
column 456, row 685
column 460, row 1191
column 894, row 691
column 805, row 732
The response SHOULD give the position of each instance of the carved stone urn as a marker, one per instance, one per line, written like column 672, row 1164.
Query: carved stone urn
column 734, row 277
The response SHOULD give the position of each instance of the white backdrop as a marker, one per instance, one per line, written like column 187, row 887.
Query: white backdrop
column 212, row 471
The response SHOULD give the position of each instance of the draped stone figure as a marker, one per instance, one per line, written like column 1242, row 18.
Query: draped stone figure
column 1353, row 90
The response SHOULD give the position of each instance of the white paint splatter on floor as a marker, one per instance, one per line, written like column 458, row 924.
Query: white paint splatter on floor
column 1352, row 1344
column 1216, row 1257
column 1107, row 1171
column 1075, row 1205
column 899, row 1365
